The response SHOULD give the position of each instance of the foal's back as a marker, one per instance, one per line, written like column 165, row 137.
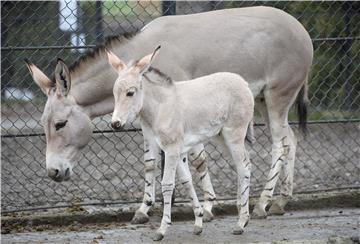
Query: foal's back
column 212, row 100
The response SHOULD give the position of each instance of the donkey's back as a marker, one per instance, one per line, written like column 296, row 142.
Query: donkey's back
column 250, row 41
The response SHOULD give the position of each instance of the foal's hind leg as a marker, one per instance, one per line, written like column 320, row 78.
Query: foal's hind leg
column 186, row 180
column 283, row 149
column 197, row 157
column 235, row 141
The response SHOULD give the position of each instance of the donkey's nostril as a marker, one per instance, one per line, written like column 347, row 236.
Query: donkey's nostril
column 53, row 173
column 67, row 172
column 116, row 125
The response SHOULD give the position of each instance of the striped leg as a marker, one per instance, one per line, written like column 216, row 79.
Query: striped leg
column 197, row 157
column 267, row 193
column 186, row 180
column 286, row 176
column 235, row 141
column 151, row 157
column 167, row 187
column 277, row 110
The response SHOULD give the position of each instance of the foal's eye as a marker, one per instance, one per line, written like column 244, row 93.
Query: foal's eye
column 130, row 94
column 60, row 125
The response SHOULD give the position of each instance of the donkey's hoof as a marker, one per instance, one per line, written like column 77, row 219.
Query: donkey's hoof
column 258, row 214
column 275, row 209
column 140, row 218
column 238, row 230
column 197, row 230
column 158, row 236
column 208, row 216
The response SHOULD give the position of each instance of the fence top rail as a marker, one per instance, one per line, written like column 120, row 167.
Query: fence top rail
column 20, row 48
column 136, row 130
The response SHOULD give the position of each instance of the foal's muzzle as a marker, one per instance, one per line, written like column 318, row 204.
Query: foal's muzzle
column 116, row 125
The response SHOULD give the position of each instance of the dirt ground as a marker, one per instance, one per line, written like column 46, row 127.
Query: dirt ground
column 309, row 226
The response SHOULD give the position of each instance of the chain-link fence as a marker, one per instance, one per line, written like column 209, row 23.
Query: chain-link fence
column 110, row 169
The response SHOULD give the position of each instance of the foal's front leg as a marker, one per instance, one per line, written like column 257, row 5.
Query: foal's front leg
column 172, row 158
column 151, row 157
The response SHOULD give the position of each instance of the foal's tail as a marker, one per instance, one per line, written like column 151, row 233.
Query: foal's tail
column 250, row 133
column 302, row 101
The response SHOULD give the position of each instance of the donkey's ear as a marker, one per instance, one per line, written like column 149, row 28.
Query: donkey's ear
column 39, row 77
column 143, row 64
column 62, row 78
column 115, row 62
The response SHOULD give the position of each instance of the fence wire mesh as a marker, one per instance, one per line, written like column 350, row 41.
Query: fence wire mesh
column 110, row 169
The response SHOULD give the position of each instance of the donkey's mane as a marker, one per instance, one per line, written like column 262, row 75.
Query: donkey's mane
column 92, row 54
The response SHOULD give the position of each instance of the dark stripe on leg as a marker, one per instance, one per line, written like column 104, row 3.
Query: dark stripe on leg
column 202, row 177
column 201, row 164
column 273, row 177
column 198, row 155
column 245, row 190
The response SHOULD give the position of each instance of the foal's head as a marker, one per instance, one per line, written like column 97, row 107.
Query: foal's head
column 128, row 88
column 67, row 127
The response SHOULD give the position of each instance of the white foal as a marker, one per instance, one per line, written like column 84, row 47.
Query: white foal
column 179, row 116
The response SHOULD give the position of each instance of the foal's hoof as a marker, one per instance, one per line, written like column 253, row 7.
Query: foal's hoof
column 158, row 236
column 238, row 231
column 208, row 216
column 275, row 209
column 197, row 230
column 140, row 218
column 258, row 214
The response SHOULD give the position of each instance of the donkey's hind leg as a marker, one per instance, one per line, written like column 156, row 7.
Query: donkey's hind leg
column 286, row 177
column 186, row 180
column 283, row 149
column 234, row 139
column 197, row 157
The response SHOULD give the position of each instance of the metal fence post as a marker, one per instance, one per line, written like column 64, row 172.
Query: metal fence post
column 169, row 7
column 346, row 50
column 98, row 18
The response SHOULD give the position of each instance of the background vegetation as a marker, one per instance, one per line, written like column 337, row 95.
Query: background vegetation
column 334, row 81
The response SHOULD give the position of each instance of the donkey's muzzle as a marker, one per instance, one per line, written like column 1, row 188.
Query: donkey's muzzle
column 116, row 125
column 59, row 175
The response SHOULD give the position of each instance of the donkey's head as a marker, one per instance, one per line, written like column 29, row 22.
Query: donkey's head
column 128, row 88
column 67, row 127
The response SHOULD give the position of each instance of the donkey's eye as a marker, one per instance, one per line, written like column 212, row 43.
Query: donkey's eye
column 60, row 125
column 130, row 94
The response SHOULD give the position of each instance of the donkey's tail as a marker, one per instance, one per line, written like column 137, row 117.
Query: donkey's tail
column 250, row 133
column 302, row 101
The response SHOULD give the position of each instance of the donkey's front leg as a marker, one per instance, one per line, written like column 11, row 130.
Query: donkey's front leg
column 151, row 157
column 167, row 186
column 186, row 180
column 197, row 157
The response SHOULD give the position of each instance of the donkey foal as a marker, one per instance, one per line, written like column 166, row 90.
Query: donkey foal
column 179, row 116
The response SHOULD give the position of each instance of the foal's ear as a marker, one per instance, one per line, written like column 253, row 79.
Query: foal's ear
column 115, row 62
column 143, row 64
column 39, row 77
column 62, row 78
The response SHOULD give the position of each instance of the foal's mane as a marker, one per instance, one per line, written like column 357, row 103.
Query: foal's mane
column 166, row 80
column 94, row 53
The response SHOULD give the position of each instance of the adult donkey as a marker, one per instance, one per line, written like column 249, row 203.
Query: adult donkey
column 266, row 46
